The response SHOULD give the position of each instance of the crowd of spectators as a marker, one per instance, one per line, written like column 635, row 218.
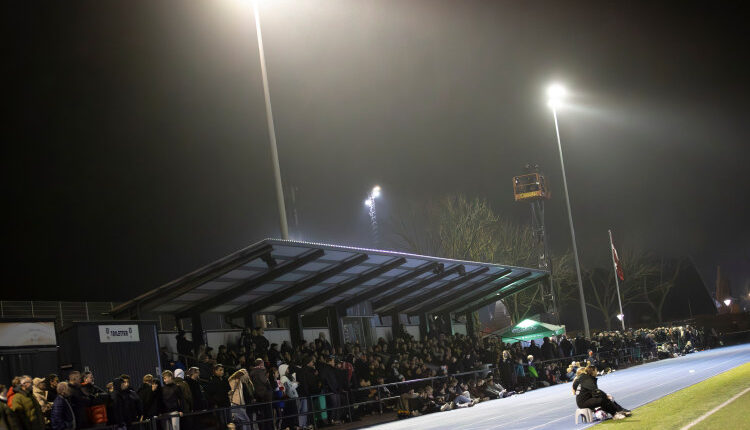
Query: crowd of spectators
column 280, row 386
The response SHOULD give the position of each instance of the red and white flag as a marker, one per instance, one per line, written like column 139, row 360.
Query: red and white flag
column 616, row 259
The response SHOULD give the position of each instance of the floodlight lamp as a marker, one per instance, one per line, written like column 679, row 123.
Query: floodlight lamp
column 727, row 302
column 376, row 192
column 620, row 316
column 556, row 92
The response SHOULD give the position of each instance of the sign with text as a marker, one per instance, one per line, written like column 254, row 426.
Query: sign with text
column 118, row 333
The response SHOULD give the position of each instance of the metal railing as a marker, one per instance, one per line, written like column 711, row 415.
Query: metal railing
column 276, row 414
column 64, row 312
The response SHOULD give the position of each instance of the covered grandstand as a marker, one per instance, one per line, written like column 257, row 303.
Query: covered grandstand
column 290, row 279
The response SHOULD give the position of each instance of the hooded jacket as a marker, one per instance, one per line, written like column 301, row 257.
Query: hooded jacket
column 28, row 411
column 259, row 378
column 8, row 419
column 40, row 394
column 124, row 408
column 290, row 384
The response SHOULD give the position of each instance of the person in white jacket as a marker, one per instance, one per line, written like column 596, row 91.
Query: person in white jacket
column 289, row 380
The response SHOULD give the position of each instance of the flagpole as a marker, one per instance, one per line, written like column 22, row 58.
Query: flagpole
column 617, row 278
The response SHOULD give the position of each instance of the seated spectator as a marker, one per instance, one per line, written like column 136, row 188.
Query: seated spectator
column 588, row 395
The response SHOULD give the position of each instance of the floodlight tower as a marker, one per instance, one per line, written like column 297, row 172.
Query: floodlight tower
column 370, row 203
column 532, row 187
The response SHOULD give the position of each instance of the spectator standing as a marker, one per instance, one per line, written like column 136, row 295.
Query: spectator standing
column 217, row 389
column 263, row 391
column 62, row 417
column 124, row 408
column 566, row 347
column 50, row 386
column 40, row 394
column 331, row 387
column 196, row 390
column 150, row 395
column 8, row 419
column 309, row 385
column 184, row 346
column 261, row 343
column 239, row 385
column 179, row 380
column 288, row 380
column 26, row 407
column 548, row 349
column 172, row 401
column 78, row 400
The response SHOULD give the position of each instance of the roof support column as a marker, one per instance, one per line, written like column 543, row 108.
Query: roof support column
column 395, row 325
column 470, row 329
column 197, row 334
column 295, row 329
column 423, row 327
column 336, row 326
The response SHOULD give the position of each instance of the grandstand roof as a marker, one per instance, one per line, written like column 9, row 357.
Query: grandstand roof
column 283, row 277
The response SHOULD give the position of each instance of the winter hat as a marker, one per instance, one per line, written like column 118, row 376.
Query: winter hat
column 179, row 373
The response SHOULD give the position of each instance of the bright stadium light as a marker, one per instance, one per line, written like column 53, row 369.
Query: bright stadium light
column 555, row 94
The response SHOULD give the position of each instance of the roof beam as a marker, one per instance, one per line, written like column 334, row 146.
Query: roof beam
column 416, row 286
column 486, row 301
column 248, row 285
column 344, row 286
column 298, row 287
column 187, row 283
column 432, row 292
column 435, row 302
column 479, row 295
column 387, row 285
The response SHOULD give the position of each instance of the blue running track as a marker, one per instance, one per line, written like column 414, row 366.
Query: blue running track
column 554, row 407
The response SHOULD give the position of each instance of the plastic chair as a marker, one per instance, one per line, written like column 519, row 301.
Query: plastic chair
column 584, row 415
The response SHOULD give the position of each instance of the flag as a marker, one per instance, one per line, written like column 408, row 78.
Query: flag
column 618, row 265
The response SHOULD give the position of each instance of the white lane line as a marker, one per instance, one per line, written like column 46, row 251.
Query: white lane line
column 712, row 411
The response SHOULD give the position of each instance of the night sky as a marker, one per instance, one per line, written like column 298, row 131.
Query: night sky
column 138, row 147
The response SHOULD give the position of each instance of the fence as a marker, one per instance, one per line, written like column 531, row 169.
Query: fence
column 64, row 312
column 347, row 406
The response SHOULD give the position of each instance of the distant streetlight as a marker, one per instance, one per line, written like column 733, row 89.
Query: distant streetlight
column 271, row 129
column 555, row 94
column 370, row 203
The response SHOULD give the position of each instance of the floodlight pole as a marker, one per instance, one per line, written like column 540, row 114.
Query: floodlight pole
column 271, row 130
column 617, row 277
column 572, row 230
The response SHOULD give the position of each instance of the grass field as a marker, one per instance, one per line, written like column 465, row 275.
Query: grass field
column 682, row 407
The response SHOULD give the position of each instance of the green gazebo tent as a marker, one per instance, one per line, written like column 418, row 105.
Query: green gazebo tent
column 529, row 329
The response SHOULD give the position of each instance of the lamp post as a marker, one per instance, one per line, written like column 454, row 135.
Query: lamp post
column 271, row 130
column 370, row 203
column 555, row 94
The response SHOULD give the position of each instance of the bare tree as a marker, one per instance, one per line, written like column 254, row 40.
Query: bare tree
column 637, row 266
column 656, row 290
